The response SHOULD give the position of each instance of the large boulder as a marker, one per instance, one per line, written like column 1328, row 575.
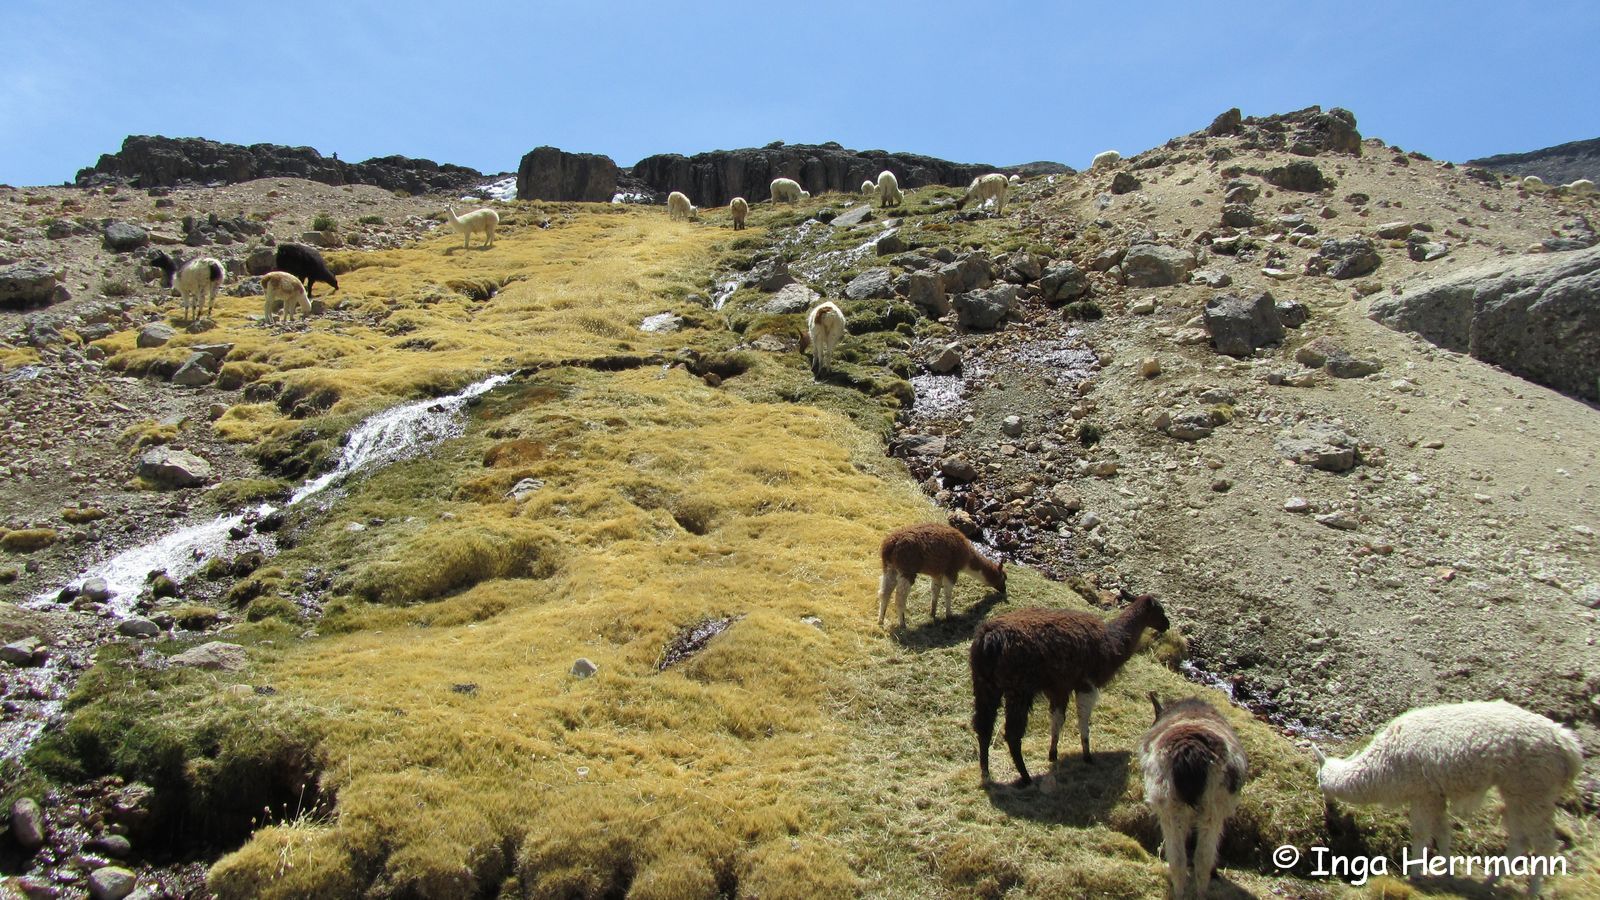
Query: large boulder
column 215, row 656
column 873, row 283
column 547, row 173
column 985, row 309
column 1300, row 175
column 1063, row 282
column 1538, row 317
column 926, row 290
column 27, row 284
column 173, row 468
column 123, row 237
column 1238, row 326
column 1346, row 258
column 1156, row 265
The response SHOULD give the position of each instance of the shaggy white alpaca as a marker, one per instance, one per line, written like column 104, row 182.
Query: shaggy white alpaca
column 741, row 211
column 1442, row 756
column 484, row 220
column 787, row 190
column 889, row 189
column 678, row 207
column 825, row 327
column 868, row 186
column 1194, row 767
column 985, row 188
column 1104, row 159
column 280, row 290
column 197, row 281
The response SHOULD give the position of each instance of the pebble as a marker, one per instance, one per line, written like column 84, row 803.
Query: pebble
column 583, row 668
column 1340, row 520
column 140, row 628
column 1149, row 367
column 1012, row 426
column 111, row 883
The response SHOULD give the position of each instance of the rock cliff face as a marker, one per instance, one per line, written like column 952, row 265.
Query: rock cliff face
column 714, row 178
column 148, row 161
column 1537, row 317
column 1561, row 164
column 547, row 173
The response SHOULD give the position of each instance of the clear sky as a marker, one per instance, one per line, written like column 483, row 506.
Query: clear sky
column 479, row 83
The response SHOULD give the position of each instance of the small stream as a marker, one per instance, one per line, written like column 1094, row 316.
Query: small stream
column 34, row 697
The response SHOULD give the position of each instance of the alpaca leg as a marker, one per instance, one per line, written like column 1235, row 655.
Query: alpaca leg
column 938, row 584
column 1058, row 717
column 1530, row 829
column 949, row 594
column 1208, row 834
column 1086, row 702
column 1426, row 815
column 1017, row 706
column 1175, row 844
column 901, row 593
column 885, row 589
column 985, row 707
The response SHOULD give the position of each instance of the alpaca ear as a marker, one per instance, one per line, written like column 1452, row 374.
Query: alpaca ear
column 1322, row 758
column 1155, row 700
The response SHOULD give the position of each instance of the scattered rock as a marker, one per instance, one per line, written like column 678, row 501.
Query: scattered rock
column 1346, row 258
column 1340, row 520
column 1343, row 365
column 27, row 284
column 1392, row 230
column 524, row 489
column 27, row 824
column 111, row 883
column 213, row 656
column 1300, row 175
column 1228, row 123
column 171, row 468
column 926, row 291
column 871, row 284
column 97, row 589
column 1012, row 426
column 1192, row 425
column 1320, row 445
column 891, row 243
column 1063, row 282
column 1238, row 215
column 1238, row 326
column 1124, row 183
column 958, row 468
column 1156, row 265
column 1297, row 505
column 790, row 299
column 1149, row 367
column 138, row 628
column 1211, row 278
column 1420, row 249
column 113, row 845
column 1292, row 313
column 947, row 360
column 197, row 370
column 1315, row 352
column 853, row 217
column 122, row 237
column 156, row 334
column 985, row 309
column 583, row 668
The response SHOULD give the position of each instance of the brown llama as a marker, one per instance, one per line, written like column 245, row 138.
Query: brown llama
column 1057, row 651
column 935, row 550
column 1193, row 768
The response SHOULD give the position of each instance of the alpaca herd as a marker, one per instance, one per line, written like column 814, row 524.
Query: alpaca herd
column 1193, row 763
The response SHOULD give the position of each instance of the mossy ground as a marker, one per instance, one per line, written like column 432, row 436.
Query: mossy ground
column 803, row 752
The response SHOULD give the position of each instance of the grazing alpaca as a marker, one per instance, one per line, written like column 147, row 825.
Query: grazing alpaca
column 889, row 189
column 1059, row 652
column 787, row 190
column 824, row 328
column 741, row 211
column 1437, row 757
column 984, row 188
column 1105, row 159
column 197, row 280
column 280, row 290
column 678, row 207
column 1193, row 768
column 304, row 263
column 935, row 550
column 868, row 186
column 484, row 220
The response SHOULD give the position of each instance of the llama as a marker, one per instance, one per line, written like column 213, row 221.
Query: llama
column 787, row 190
column 304, row 263
column 197, row 280
column 678, row 207
column 1059, row 652
column 889, row 189
column 1437, row 757
column 985, row 188
column 824, row 329
column 1105, row 159
column 281, row 290
column 935, row 550
column 741, row 211
column 1535, row 184
column 1193, row 768
column 484, row 220
column 1014, row 180
column 868, row 186
column 1582, row 187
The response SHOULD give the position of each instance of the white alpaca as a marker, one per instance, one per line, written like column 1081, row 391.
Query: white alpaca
column 484, row 220
column 787, row 190
column 197, row 282
column 1194, row 767
column 1450, row 755
column 889, row 189
column 1581, row 187
column 281, row 290
column 1015, row 180
column 985, row 188
column 824, row 327
column 741, row 211
column 868, row 186
column 678, row 207
column 1105, row 159
column 1534, row 183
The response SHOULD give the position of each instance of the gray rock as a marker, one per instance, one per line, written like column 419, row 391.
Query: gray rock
column 926, row 290
column 853, row 217
column 1240, row 190
column 1192, row 425
column 27, row 823
column 524, row 489
column 1124, row 183
column 924, row 445
column 96, row 589
column 1340, row 520
column 113, row 845
column 1109, row 259
column 1320, row 445
column 1536, row 316
column 1343, row 365
column 122, row 237
column 22, row 654
column 1230, row 122
column 1012, row 426
column 261, row 261
column 171, row 468
column 1063, row 282
column 1024, row 267
column 1239, row 326
column 958, row 468
column 871, row 284
column 156, row 334
column 969, row 273
column 1427, row 251
column 139, row 628
column 584, row 668
column 1238, row 215
column 1392, row 230
column 790, row 299
column 195, row 371
column 1300, row 175
column 27, row 284
column 1314, row 354
column 947, row 360
column 1156, row 265
column 891, row 243
column 985, row 309
column 216, row 656
column 1292, row 313
column 34, row 887
column 111, row 883
column 1347, row 258
column 1211, row 278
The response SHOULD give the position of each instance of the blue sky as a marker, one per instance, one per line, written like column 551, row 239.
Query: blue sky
column 479, row 83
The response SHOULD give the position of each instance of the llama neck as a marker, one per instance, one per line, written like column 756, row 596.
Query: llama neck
column 454, row 220
column 1349, row 780
column 1122, row 632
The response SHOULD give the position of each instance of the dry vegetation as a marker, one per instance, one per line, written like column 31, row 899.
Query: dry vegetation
column 802, row 753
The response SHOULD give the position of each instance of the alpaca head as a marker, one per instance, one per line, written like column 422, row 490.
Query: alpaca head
column 997, row 578
column 166, row 264
column 1149, row 609
column 805, row 195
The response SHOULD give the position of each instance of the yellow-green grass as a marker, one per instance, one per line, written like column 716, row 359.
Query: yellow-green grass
column 790, row 757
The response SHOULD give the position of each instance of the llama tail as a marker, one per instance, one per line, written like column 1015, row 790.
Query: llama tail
column 984, row 657
column 216, row 272
column 1192, row 761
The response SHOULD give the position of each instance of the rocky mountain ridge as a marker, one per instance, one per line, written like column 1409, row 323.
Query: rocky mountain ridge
column 1561, row 164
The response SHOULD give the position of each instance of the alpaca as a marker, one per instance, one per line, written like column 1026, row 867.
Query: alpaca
column 1059, row 652
column 1014, row 180
column 1534, row 183
column 280, row 290
column 935, row 550
column 868, row 186
column 1193, row 768
column 889, row 189
column 1450, row 755
column 678, row 207
column 741, row 211
column 984, row 188
column 484, row 220
column 197, row 280
column 1105, row 159
column 787, row 190
column 304, row 263
column 825, row 328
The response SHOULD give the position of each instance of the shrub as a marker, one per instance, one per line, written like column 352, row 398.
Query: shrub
column 324, row 222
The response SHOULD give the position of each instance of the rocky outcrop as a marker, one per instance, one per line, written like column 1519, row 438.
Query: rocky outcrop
column 1537, row 317
column 712, row 179
column 1304, row 132
column 27, row 284
column 1561, row 164
column 148, row 161
column 547, row 173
